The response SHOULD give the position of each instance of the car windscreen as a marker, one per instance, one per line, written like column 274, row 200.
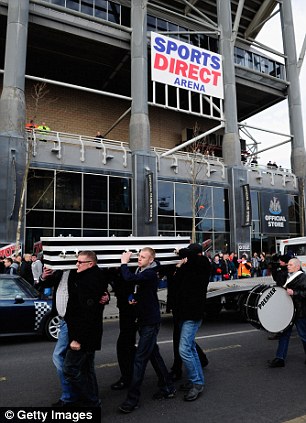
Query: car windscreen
column 10, row 287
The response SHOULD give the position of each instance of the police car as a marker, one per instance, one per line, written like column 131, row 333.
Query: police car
column 23, row 312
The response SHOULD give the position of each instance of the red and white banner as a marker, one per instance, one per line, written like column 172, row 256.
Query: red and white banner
column 183, row 65
column 7, row 250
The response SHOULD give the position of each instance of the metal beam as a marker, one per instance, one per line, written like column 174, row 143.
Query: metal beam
column 260, row 18
column 205, row 17
column 301, row 56
column 237, row 20
column 192, row 140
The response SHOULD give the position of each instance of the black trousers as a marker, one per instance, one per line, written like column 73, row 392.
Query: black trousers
column 126, row 343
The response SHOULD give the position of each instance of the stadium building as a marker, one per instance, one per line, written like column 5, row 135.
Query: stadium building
column 139, row 111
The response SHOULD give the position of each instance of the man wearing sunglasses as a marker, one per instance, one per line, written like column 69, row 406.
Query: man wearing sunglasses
column 83, row 316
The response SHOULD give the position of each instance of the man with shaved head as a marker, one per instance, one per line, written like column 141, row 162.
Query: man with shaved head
column 295, row 285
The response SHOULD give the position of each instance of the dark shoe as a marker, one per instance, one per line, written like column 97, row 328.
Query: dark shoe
column 126, row 408
column 164, row 394
column 194, row 392
column 276, row 362
column 119, row 385
column 59, row 403
column 186, row 386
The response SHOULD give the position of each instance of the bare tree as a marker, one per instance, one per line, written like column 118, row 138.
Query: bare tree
column 198, row 152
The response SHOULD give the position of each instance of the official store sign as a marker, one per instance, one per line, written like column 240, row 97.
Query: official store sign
column 275, row 213
column 183, row 65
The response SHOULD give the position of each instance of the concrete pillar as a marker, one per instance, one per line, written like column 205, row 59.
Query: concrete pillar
column 12, row 119
column 294, row 95
column 298, row 155
column 144, row 162
column 231, row 149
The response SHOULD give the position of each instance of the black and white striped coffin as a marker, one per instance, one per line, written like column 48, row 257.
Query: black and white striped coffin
column 61, row 252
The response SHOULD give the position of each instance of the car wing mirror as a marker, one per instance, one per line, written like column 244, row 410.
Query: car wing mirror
column 19, row 299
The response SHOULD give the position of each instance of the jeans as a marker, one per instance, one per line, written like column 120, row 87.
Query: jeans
column 147, row 349
column 177, row 363
column 264, row 272
column 217, row 278
column 283, row 342
column 188, row 351
column 79, row 370
column 59, row 354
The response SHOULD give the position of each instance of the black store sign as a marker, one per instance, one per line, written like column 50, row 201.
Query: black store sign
column 274, row 213
column 247, row 209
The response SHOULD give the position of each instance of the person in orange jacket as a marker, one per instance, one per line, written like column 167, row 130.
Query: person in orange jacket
column 244, row 268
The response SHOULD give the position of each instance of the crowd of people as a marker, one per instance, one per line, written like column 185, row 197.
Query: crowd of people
column 225, row 266
column 80, row 296
column 29, row 267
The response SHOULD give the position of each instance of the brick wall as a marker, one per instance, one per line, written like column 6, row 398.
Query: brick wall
column 79, row 112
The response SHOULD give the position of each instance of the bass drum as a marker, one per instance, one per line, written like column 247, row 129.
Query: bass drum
column 269, row 308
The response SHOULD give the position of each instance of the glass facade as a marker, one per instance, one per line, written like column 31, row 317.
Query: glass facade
column 76, row 204
column 259, row 63
column 83, row 204
column 211, row 210
column 103, row 9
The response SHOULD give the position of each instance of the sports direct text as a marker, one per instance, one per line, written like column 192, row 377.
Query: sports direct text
column 183, row 65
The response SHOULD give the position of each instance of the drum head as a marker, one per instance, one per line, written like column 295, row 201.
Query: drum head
column 275, row 309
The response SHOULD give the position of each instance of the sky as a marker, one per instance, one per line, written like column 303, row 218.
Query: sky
column 276, row 117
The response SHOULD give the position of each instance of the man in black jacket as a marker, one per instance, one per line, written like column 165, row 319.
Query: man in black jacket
column 84, row 311
column 146, row 304
column 191, row 281
column 295, row 284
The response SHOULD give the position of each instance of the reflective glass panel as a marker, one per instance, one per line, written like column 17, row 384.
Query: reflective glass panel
column 95, row 220
column 113, row 12
column 183, row 200
column 39, row 218
column 40, row 189
column 67, row 220
column 68, row 191
column 220, row 203
column 73, row 4
column 165, row 198
column 120, row 221
column 255, row 205
column 101, row 9
column 95, row 193
column 120, row 195
column 165, row 223
column 183, row 224
column 87, row 7
column 204, row 207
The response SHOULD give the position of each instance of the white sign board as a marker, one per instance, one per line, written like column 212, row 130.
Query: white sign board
column 183, row 65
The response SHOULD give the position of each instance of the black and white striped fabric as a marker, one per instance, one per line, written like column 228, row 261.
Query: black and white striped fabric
column 61, row 252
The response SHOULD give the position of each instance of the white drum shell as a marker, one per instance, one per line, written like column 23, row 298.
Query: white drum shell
column 274, row 308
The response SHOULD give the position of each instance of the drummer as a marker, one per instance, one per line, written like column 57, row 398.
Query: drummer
column 295, row 284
